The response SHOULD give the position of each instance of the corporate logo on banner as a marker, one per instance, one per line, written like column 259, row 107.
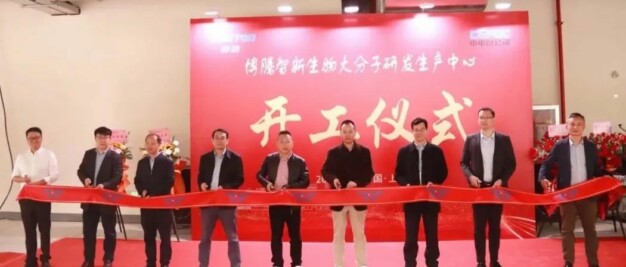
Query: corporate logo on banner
column 490, row 37
column 231, row 42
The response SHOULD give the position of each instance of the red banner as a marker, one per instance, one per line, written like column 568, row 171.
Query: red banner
column 358, row 196
column 305, row 74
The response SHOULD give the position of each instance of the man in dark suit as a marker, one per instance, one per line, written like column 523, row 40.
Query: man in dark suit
column 155, row 177
column 220, row 169
column 101, row 168
column 421, row 163
column 578, row 162
column 348, row 165
column 284, row 170
column 488, row 161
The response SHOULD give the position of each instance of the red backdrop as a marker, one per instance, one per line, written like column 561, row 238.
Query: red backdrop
column 256, row 76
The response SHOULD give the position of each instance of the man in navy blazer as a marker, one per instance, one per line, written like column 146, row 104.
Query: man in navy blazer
column 155, row 177
column 578, row 161
column 282, row 170
column 488, row 161
column 101, row 168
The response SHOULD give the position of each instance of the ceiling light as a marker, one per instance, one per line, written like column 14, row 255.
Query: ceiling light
column 285, row 9
column 211, row 13
column 427, row 5
column 503, row 6
column 351, row 9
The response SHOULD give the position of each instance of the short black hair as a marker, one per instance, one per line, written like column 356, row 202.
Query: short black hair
column 33, row 130
column 493, row 113
column 346, row 122
column 284, row 132
column 219, row 130
column 158, row 138
column 576, row 115
column 102, row 131
column 417, row 121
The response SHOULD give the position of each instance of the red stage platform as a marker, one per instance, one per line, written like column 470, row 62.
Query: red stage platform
column 514, row 253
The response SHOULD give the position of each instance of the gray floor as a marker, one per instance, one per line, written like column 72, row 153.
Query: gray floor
column 12, row 233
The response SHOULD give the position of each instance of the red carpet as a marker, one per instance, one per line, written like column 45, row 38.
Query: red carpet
column 514, row 253
column 7, row 258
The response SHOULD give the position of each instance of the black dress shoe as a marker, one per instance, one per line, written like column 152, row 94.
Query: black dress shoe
column 594, row 265
column 481, row 265
column 569, row 264
column 165, row 265
column 45, row 264
column 87, row 264
column 108, row 263
column 495, row 264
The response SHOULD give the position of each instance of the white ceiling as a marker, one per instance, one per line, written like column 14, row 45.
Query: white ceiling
column 226, row 8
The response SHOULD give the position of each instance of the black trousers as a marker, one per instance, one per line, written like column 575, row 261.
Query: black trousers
column 487, row 214
column 92, row 214
column 35, row 215
column 153, row 221
column 430, row 216
column 279, row 216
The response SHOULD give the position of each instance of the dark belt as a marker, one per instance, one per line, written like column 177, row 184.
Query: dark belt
column 486, row 184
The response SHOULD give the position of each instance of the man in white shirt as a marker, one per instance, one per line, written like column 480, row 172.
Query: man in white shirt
column 37, row 166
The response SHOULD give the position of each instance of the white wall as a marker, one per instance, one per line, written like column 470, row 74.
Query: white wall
column 543, row 48
column 125, row 64
column 595, row 45
column 122, row 64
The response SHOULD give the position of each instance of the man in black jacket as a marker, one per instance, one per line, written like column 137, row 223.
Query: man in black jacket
column 348, row 165
column 488, row 161
column 421, row 163
column 101, row 168
column 283, row 170
column 155, row 177
column 220, row 169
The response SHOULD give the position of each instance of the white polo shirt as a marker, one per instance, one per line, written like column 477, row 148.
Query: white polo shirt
column 42, row 164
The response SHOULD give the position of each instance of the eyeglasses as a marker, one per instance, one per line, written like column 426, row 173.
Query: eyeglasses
column 485, row 118
column 34, row 138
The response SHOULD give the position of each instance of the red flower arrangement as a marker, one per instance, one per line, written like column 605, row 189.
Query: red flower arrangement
column 611, row 148
column 542, row 148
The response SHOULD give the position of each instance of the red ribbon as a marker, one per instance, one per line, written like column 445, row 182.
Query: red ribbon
column 359, row 196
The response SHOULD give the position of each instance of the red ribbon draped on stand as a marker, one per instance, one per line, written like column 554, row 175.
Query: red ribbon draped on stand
column 359, row 196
